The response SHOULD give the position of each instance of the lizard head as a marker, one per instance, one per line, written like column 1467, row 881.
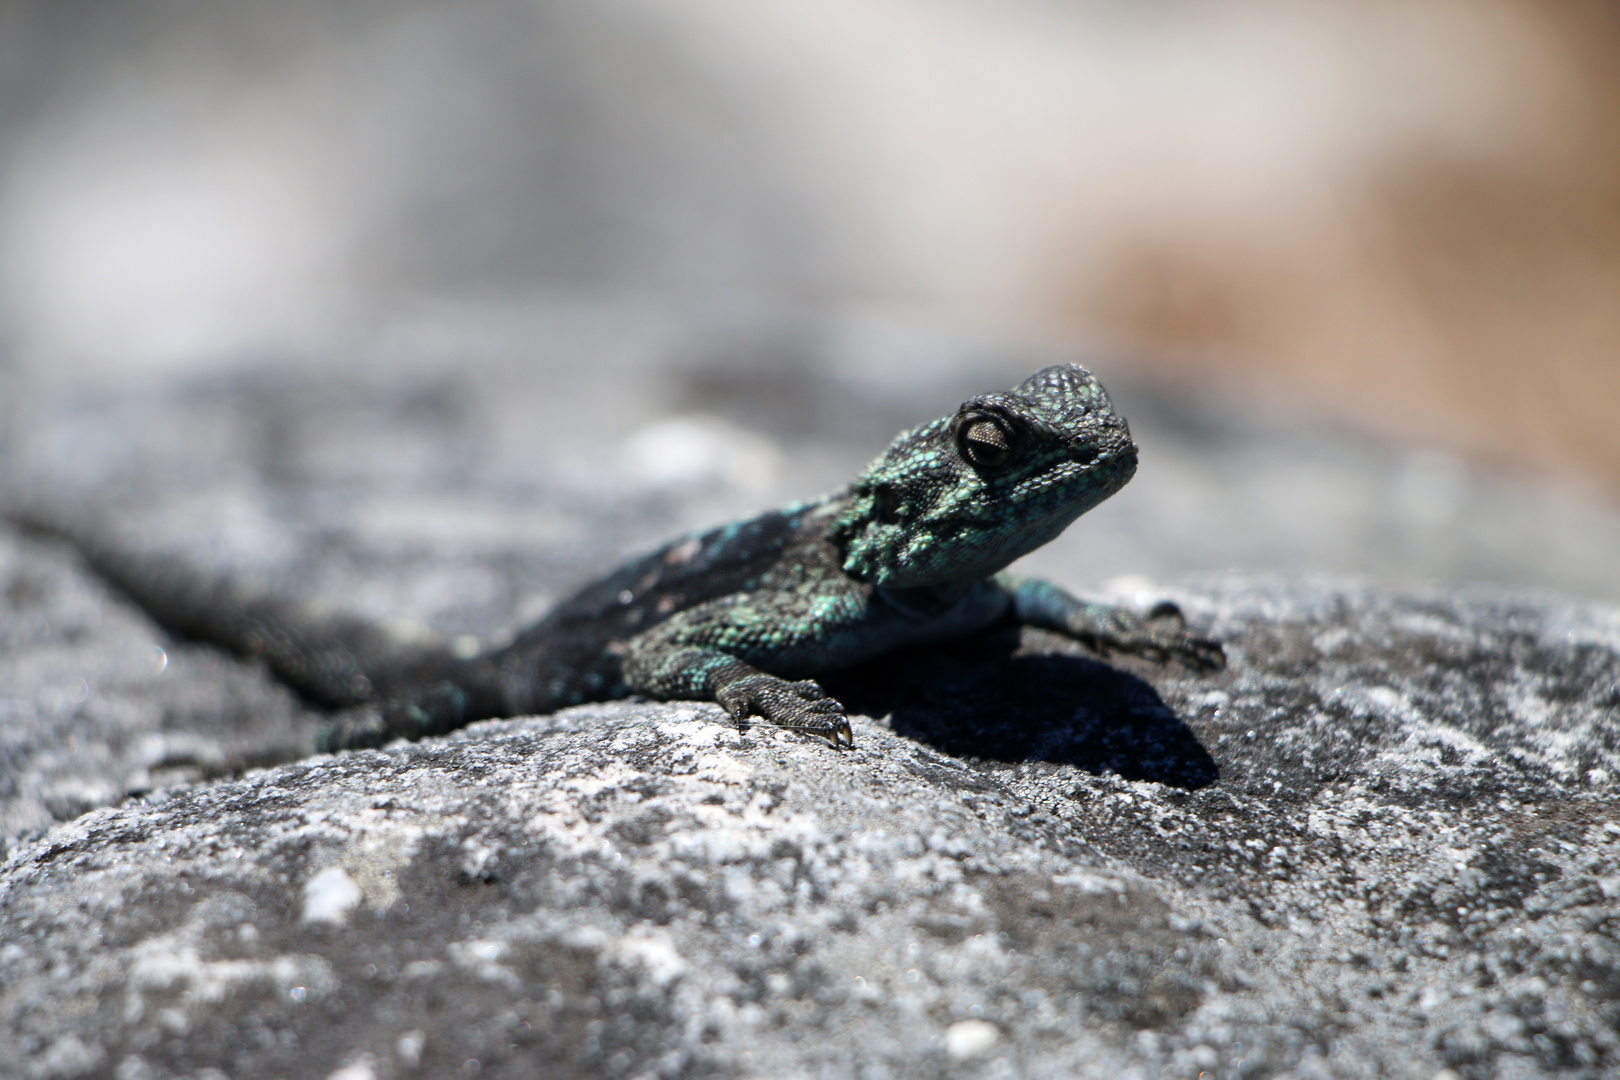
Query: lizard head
column 959, row 498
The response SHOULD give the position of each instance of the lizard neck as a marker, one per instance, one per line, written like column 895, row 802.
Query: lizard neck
column 926, row 601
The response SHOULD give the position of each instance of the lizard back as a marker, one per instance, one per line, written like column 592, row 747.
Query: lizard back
column 574, row 654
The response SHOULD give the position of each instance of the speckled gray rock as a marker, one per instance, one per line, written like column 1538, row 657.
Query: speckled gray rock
column 458, row 469
column 1384, row 843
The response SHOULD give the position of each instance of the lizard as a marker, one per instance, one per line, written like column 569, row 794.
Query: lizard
column 913, row 551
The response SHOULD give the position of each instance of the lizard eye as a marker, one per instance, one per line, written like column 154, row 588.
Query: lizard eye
column 985, row 442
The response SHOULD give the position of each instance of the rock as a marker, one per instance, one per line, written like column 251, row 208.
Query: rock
column 970, row 1039
column 1382, row 843
column 96, row 705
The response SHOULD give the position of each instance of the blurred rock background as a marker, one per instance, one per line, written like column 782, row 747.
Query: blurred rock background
column 1351, row 267
column 428, row 311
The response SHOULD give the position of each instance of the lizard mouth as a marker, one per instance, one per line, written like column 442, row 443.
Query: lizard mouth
column 1103, row 457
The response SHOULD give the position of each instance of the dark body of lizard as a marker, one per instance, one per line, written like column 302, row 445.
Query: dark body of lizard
column 745, row 615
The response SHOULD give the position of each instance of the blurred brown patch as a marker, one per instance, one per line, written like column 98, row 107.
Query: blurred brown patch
column 1470, row 302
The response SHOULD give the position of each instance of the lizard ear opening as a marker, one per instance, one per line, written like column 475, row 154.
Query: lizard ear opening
column 885, row 506
column 984, row 441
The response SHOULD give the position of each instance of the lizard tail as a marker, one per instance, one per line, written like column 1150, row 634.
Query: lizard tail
column 333, row 660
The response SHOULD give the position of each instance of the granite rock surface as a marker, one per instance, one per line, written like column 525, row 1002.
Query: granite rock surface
column 1382, row 843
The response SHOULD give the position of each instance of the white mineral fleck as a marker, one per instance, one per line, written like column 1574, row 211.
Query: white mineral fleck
column 360, row 1069
column 329, row 896
column 655, row 953
column 410, row 1046
column 967, row 1039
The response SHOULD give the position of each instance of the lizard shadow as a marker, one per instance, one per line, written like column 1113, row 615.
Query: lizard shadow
column 991, row 699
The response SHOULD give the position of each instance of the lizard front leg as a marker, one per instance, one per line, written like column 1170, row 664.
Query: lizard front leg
column 1161, row 635
column 702, row 672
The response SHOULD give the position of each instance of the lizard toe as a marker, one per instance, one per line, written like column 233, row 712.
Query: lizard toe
column 1203, row 654
column 831, row 725
column 1163, row 644
column 1200, row 654
column 808, row 689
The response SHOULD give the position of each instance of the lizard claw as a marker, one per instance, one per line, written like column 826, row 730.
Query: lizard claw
column 836, row 730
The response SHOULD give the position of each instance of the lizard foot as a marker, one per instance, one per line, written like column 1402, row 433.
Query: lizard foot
column 799, row 706
column 1161, row 636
